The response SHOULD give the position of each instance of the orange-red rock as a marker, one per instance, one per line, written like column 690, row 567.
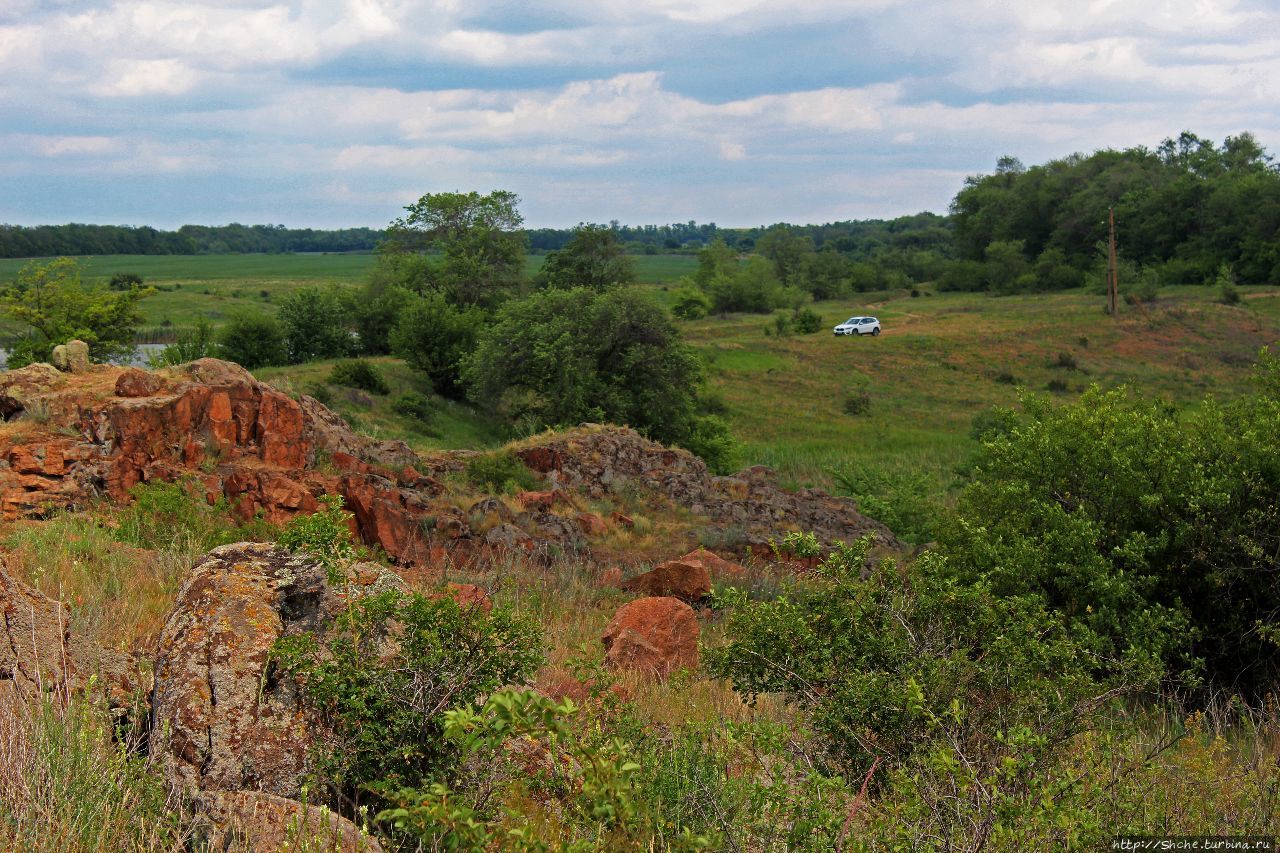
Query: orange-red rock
column 592, row 524
column 686, row 581
column 655, row 636
column 138, row 383
column 610, row 577
column 716, row 566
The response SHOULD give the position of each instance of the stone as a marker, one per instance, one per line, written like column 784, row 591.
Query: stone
column 591, row 524
column 223, row 718
column 265, row 823
column 542, row 501
column 468, row 596
column 610, row 578
column 716, row 566
column 59, row 358
column 77, row 355
column 653, row 636
column 686, row 581
column 508, row 537
column 138, row 383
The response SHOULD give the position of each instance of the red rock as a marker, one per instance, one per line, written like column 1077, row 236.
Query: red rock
column 622, row 520
column 610, row 577
column 716, row 566
column 686, row 581
column 542, row 501
column 655, row 636
column 468, row 596
column 138, row 383
column 592, row 524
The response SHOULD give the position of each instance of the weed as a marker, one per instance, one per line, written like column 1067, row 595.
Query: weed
column 857, row 402
column 499, row 470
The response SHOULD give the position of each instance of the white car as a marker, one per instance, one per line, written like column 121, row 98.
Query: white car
column 859, row 326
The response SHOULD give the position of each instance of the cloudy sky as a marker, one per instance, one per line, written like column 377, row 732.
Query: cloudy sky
column 331, row 113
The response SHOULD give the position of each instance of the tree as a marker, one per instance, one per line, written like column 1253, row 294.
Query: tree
column 593, row 258
column 560, row 357
column 314, row 322
column 474, row 245
column 435, row 337
column 51, row 299
column 252, row 340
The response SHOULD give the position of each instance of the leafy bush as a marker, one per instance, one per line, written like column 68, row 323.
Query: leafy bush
column 857, row 402
column 124, row 281
column 252, row 340
column 796, row 544
column 196, row 342
column 901, row 499
column 314, row 322
column 712, row 441
column 1057, row 386
column 561, row 357
column 806, row 321
column 383, row 703
column 415, row 405
column 908, row 659
column 992, row 423
column 1065, row 361
column 359, row 373
column 1148, row 529
column 324, row 534
column 690, row 304
column 436, row 337
column 494, row 471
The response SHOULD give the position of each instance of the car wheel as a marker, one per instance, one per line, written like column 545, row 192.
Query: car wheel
column 875, row 332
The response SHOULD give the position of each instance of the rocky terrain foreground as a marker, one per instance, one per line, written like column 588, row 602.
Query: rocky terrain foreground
column 222, row 725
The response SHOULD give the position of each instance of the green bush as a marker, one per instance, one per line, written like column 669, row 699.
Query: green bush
column 252, row 340
column 359, row 373
column 324, row 534
column 893, row 661
column 415, row 405
column 690, row 304
column 494, row 471
column 435, row 337
column 903, row 500
column 196, row 342
column 806, row 321
column 315, row 324
column 1149, row 529
column 383, row 703
column 124, row 281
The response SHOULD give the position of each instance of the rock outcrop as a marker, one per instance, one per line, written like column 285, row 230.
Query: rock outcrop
column 263, row 823
column 601, row 461
column 222, row 717
column 653, row 636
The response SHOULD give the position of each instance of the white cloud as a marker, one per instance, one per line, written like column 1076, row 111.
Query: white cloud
column 131, row 78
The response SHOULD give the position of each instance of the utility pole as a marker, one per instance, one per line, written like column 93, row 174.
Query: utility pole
column 1113, row 273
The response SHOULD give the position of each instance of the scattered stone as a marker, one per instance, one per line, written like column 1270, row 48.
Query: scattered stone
column 264, row 823
column 76, row 353
column 508, row 537
column 138, row 383
column 654, row 636
column 542, row 501
column 621, row 520
column 592, row 524
column 610, row 578
column 716, row 566
column 676, row 578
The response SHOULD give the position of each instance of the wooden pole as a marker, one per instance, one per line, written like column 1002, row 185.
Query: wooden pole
column 1113, row 273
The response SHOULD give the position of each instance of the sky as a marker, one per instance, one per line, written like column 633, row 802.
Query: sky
column 319, row 113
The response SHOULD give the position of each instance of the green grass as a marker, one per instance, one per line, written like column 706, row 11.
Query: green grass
column 943, row 359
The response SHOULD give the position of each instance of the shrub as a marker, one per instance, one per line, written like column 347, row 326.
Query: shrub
column 252, row 340
column 690, row 304
column 196, row 342
column 359, row 373
column 561, row 357
column 1144, row 527
column 324, row 534
column 314, row 322
column 1057, row 386
column 781, row 326
column 712, row 441
column 901, row 499
column 384, row 704
column 909, row 661
column 992, row 423
column 857, row 402
column 435, row 337
column 413, row 404
column 1005, row 377
column 322, row 392
column 495, row 470
column 1065, row 361
column 806, row 321
column 124, row 281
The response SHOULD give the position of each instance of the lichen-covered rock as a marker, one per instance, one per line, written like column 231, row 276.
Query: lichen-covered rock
column 138, row 383
column 222, row 717
column 263, row 823
column 654, row 636
column 687, row 581
column 76, row 354
column 715, row 565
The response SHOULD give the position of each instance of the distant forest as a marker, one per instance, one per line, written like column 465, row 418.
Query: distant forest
column 1185, row 212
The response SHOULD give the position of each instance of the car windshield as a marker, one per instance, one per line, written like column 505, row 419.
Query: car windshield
column 852, row 320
